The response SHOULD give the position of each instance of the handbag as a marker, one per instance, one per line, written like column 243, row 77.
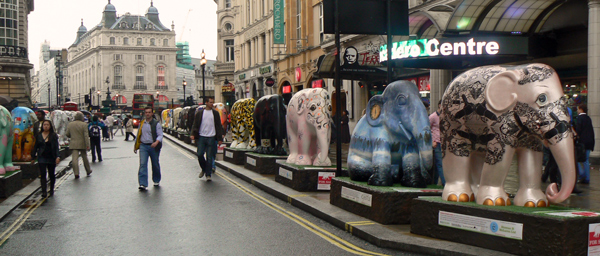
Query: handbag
column 580, row 154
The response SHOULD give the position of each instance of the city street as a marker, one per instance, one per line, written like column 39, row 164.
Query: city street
column 107, row 214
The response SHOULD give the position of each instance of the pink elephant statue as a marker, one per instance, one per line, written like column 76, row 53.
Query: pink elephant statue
column 491, row 113
column 309, row 127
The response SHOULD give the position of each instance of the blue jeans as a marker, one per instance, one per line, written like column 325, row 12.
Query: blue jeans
column 584, row 168
column 437, row 164
column 145, row 152
column 206, row 145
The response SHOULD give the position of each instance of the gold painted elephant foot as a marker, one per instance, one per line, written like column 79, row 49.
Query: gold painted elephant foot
column 458, row 192
column 531, row 198
column 493, row 196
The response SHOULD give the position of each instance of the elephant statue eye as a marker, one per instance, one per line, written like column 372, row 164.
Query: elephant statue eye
column 401, row 100
column 542, row 100
column 329, row 107
column 313, row 108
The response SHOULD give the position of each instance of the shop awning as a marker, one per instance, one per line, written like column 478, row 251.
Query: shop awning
column 163, row 98
column 122, row 99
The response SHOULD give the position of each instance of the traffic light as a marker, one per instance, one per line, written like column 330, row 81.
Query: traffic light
column 87, row 99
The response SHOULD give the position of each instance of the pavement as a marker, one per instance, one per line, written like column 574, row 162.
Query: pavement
column 396, row 237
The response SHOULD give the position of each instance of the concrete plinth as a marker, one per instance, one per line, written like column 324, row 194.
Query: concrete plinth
column 64, row 153
column 28, row 170
column 513, row 229
column 306, row 178
column 263, row 164
column 386, row 205
column 10, row 183
column 235, row 155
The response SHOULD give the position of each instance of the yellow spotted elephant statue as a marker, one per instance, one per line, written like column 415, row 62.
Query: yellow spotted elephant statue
column 242, row 124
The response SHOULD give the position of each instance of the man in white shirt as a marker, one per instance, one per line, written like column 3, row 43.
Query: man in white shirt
column 110, row 124
column 208, row 131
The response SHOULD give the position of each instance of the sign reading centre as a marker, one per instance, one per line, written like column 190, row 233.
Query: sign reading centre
column 456, row 47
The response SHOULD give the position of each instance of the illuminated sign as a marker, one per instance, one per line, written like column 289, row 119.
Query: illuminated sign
column 298, row 74
column 242, row 76
column 228, row 88
column 264, row 70
column 286, row 89
column 317, row 83
column 454, row 47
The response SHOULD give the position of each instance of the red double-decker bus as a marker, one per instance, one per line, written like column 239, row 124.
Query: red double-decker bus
column 140, row 101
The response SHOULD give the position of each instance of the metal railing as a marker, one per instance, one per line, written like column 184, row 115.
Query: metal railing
column 140, row 87
column 118, row 87
column 161, row 87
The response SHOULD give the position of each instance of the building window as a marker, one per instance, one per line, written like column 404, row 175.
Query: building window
column 139, row 41
column 118, row 81
column 299, row 21
column 229, row 51
column 112, row 40
column 152, row 42
column 227, row 3
column 160, row 75
column 9, row 23
column 165, row 42
column 139, row 57
column 126, row 41
column 160, row 57
column 139, row 77
column 118, row 57
column 321, row 35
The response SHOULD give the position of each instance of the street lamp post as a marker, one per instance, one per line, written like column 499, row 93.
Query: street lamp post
column 98, row 92
column 49, row 96
column 117, row 95
column 58, row 59
column 203, row 65
column 184, row 84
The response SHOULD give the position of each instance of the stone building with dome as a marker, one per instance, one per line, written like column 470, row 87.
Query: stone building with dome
column 123, row 54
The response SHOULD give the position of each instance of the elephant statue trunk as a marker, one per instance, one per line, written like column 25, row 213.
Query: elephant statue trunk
column 566, row 164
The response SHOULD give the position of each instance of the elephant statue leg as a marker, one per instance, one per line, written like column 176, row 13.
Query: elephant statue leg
column 6, row 149
column 292, row 139
column 304, row 154
column 382, row 171
column 322, row 158
column 234, row 134
column 491, row 188
column 458, row 187
column 529, row 193
column 411, row 170
column 243, row 136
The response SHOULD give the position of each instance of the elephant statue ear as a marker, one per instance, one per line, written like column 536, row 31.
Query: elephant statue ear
column 501, row 91
column 375, row 113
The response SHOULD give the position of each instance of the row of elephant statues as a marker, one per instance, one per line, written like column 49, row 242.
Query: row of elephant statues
column 488, row 114
column 182, row 119
column 17, row 135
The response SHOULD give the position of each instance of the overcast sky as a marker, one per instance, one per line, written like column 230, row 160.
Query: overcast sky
column 57, row 22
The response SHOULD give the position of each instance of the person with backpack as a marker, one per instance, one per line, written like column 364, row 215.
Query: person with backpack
column 149, row 142
column 95, row 129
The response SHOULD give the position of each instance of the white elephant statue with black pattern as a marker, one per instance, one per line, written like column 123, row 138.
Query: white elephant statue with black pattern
column 489, row 114
column 309, row 127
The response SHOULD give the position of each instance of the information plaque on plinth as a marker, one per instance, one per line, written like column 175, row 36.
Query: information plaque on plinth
column 10, row 183
column 306, row 178
column 513, row 229
column 385, row 205
column 235, row 155
column 28, row 170
column 262, row 164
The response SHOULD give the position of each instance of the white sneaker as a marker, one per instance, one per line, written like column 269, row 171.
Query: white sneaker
column 208, row 178
column 201, row 174
column 156, row 184
column 142, row 187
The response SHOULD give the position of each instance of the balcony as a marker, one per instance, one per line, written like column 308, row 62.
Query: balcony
column 161, row 87
column 118, row 87
column 224, row 67
column 140, row 87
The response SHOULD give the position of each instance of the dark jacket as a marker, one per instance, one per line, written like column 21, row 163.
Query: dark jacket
column 218, row 127
column 585, row 131
column 40, row 146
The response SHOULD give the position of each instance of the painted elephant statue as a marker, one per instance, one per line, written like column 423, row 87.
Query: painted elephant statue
column 309, row 127
column 489, row 114
column 392, row 142
column 269, row 125
column 183, row 116
column 242, row 124
column 60, row 119
column 175, row 119
column 166, row 116
column 23, row 120
column 220, row 107
column 190, row 118
column 6, row 137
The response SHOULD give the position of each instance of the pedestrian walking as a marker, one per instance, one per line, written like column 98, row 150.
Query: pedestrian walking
column 105, row 132
column 434, row 121
column 119, row 125
column 95, row 130
column 149, row 142
column 129, row 128
column 77, row 131
column 585, row 134
column 46, row 150
column 345, row 128
column 207, row 128
column 110, row 124
column 37, row 126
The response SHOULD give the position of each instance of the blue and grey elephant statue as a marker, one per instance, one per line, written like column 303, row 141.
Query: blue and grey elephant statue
column 269, row 125
column 392, row 141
